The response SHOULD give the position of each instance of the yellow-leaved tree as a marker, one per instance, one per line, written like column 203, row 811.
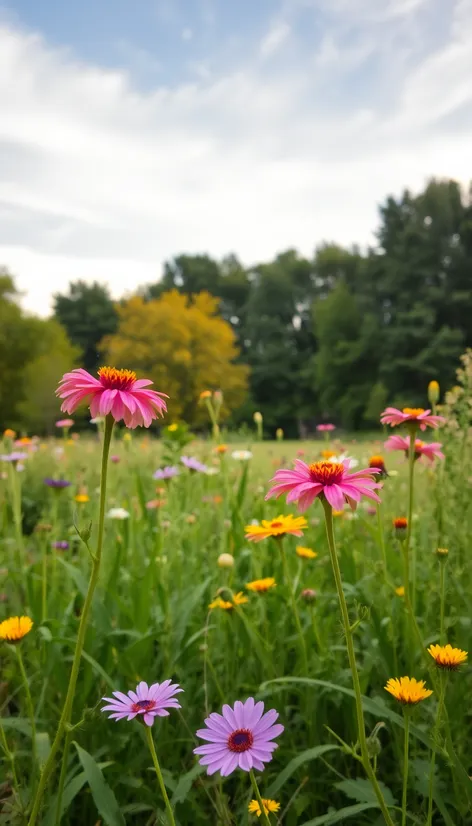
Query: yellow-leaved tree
column 184, row 346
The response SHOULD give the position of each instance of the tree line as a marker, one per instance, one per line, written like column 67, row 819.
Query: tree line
column 304, row 340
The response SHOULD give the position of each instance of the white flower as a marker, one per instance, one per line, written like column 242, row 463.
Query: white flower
column 342, row 458
column 97, row 420
column 117, row 513
column 242, row 455
column 211, row 471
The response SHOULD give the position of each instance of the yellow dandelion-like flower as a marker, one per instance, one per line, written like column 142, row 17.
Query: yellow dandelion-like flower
column 407, row 690
column 226, row 605
column 81, row 498
column 221, row 449
column 205, row 394
column 338, row 513
column 400, row 591
column 327, row 454
column 442, row 552
column 278, row 527
column 14, row 629
column 447, row 657
column 9, row 433
column 269, row 806
column 261, row 585
column 173, row 427
column 305, row 553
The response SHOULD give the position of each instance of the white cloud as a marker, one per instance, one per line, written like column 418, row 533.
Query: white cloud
column 275, row 38
column 99, row 180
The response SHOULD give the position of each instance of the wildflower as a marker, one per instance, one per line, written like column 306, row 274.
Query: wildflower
column 261, row 585
column 379, row 462
column 339, row 459
column 226, row 605
column 193, row 464
column 305, row 553
column 331, row 479
column 221, row 449
column 118, row 513
column 400, row 524
column 96, row 420
column 173, row 427
column 257, row 417
column 14, row 629
column 15, row 456
column 25, row 441
column 242, row 455
column 416, row 415
column 9, row 433
column 191, row 519
column 433, row 392
column 64, row 422
column 269, row 806
column 279, row 434
column 166, row 472
column 400, row 591
column 407, row 690
column 325, row 428
column 42, row 527
column 81, row 498
column 148, row 701
column 447, row 657
column 115, row 459
column 442, row 553
column 294, row 525
column 338, row 514
column 430, row 450
column 226, row 561
column 211, row 471
column 61, row 545
column 115, row 392
column 371, row 510
column 308, row 594
column 127, row 437
column 205, row 394
column 328, row 454
column 58, row 484
column 241, row 736
column 153, row 504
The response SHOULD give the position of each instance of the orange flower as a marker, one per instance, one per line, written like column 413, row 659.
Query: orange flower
column 447, row 657
column 305, row 553
column 221, row 449
column 276, row 528
column 261, row 585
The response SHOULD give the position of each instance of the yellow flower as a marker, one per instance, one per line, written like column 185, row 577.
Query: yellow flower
column 257, row 416
column 407, row 690
column 81, row 498
column 9, row 433
column 400, row 591
column 433, row 392
column 269, row 806
column 173, row 427
column 261, row 585
column 442, row 552
column 338, row 513
column 205, row 394
column 276, row 528
column 327, row 454
column 126, row 437
column 305, row 553
column 221, row 448
column 238, row 599
column 14, row 629
column 279, row 434
column 447, row 657
column 24, row 441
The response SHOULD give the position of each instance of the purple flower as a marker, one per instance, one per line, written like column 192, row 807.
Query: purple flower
column 166, row 472
column 56, row 483
column 60, row 546
column 241, row 737
column 16, row 456
column 193, row 464
column 150, row 701
column 115, row 459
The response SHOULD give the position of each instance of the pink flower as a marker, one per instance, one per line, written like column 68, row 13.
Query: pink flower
column 241, row 737
column 417, row 415
column 332, row 479
column 116, row 392
column 431, row 450
column 325, row 428
column 149, row 701
column 64, row 422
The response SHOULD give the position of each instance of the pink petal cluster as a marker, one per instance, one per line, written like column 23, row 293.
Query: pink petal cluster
column 64, row 422
column 239, row 737
column 148, row 701
column 430, row 450
column 325, row 428
column 305, row 482
column 116, row 392
column 394, row 417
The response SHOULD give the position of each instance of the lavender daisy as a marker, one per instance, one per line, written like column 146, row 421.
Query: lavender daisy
column 16, row 456
column 57, row 483
column 166, row 472
column 61, row 545
column 240, row 737
column 149, row 701
column 193, row 464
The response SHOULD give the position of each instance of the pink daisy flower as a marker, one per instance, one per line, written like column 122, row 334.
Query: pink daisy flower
column 241, row 737
column 116, row 392
column 417, row 415
column 149, row 701
column 430, row 450
column 325, row 428
column 330, row 479
column 64, row 422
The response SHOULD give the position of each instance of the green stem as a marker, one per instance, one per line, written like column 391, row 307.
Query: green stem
column 44, row 581
column 352, row 662
column 442, row 596
column 406, row 742
column 159, row 775
column 293, row 603
column 29, row 702
column 10, row 756
column 411, row 487
column 264, row 816
column 437, row 729
column 96, row 559
column 62, row 777
column 381, row 539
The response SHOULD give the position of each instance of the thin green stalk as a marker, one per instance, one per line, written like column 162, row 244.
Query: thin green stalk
column 264, row 816
column 352, row 662
column 293, row 603
column 382, row 539
column 160, row 779
column 411, row 488
column 44, row 581
column 442, row 596
column 9, row 756
column 96, row 559
column 437, row 729
column 406, row 744
column 62, row 777
column 29, row 703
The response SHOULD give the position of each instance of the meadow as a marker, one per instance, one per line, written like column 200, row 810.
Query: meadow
column 182, row 593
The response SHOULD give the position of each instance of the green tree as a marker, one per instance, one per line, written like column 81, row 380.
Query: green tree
column 87, row 313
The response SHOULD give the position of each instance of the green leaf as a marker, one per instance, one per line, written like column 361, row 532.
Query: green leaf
column 43, row 747
column 299, row 760
column 20, row 724
column 78, row 578
column 361, row 790
column 103, row 796
column 70, row 791
column 185, row 784
column 340, row 814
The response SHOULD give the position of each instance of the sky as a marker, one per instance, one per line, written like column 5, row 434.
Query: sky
column 135, row 130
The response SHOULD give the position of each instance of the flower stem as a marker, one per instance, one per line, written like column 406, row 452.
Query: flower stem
column 352, row 662
column 411, row 487
column 160, row 779
column 264, row 816
column 406, row 743
column 29, row 703
column 9, row 756
column 293, row 603
column 442, row 596
column 437, row 729
column 96, row 559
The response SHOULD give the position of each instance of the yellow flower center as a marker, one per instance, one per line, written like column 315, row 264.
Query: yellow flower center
column 327, row 473
column 413, row 412
column 376, row 461
column 113, row 379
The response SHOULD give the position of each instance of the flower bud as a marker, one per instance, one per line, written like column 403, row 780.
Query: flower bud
column 309, row 595
column 257, row 417
column 226, row 561
column 279, row 434
column 400, row 525
column 433, row 392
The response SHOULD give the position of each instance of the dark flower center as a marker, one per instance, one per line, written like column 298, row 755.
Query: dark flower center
column 143, row 705
column 240, row 740
column 113, row 379
column 327, row 473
